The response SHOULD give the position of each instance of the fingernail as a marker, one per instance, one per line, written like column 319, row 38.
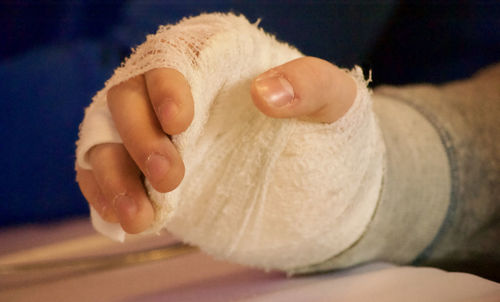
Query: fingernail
column 157, row 166
column 275, row 90
column 167, row 111
column 125, row 205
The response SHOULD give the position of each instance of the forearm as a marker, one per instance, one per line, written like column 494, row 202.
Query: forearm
column 439, row 202
column 467, row 114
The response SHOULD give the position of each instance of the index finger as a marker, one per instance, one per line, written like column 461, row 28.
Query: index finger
column 170, row 96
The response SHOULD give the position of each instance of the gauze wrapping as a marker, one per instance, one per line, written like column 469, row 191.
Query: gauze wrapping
column 271, row 193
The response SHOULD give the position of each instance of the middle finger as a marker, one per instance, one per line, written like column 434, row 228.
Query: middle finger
column 148, row 145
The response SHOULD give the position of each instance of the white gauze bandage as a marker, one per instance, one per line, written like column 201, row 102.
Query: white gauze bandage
column 271, row 193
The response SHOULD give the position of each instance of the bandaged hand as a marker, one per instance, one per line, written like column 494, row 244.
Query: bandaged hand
column 234, row 142
column 159, row 102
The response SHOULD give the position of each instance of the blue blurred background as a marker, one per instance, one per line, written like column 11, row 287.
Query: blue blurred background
column 54, row 55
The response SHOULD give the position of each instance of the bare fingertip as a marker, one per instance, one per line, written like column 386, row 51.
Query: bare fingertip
column 135, row 216
column 157, row 167
column 274, row 89
column 167, row 112
column 125, row 206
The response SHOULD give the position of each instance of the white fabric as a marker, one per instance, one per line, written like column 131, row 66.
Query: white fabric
column 272, row 193
column 415, row 193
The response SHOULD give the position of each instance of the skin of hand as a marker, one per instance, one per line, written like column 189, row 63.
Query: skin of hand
column 148, row 108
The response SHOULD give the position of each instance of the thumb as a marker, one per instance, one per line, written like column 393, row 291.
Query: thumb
column 308, row 88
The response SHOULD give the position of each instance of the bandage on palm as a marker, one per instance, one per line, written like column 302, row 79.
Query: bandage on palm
column 271, row 193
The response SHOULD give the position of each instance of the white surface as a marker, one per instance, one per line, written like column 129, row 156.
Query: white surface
column 197, row 277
